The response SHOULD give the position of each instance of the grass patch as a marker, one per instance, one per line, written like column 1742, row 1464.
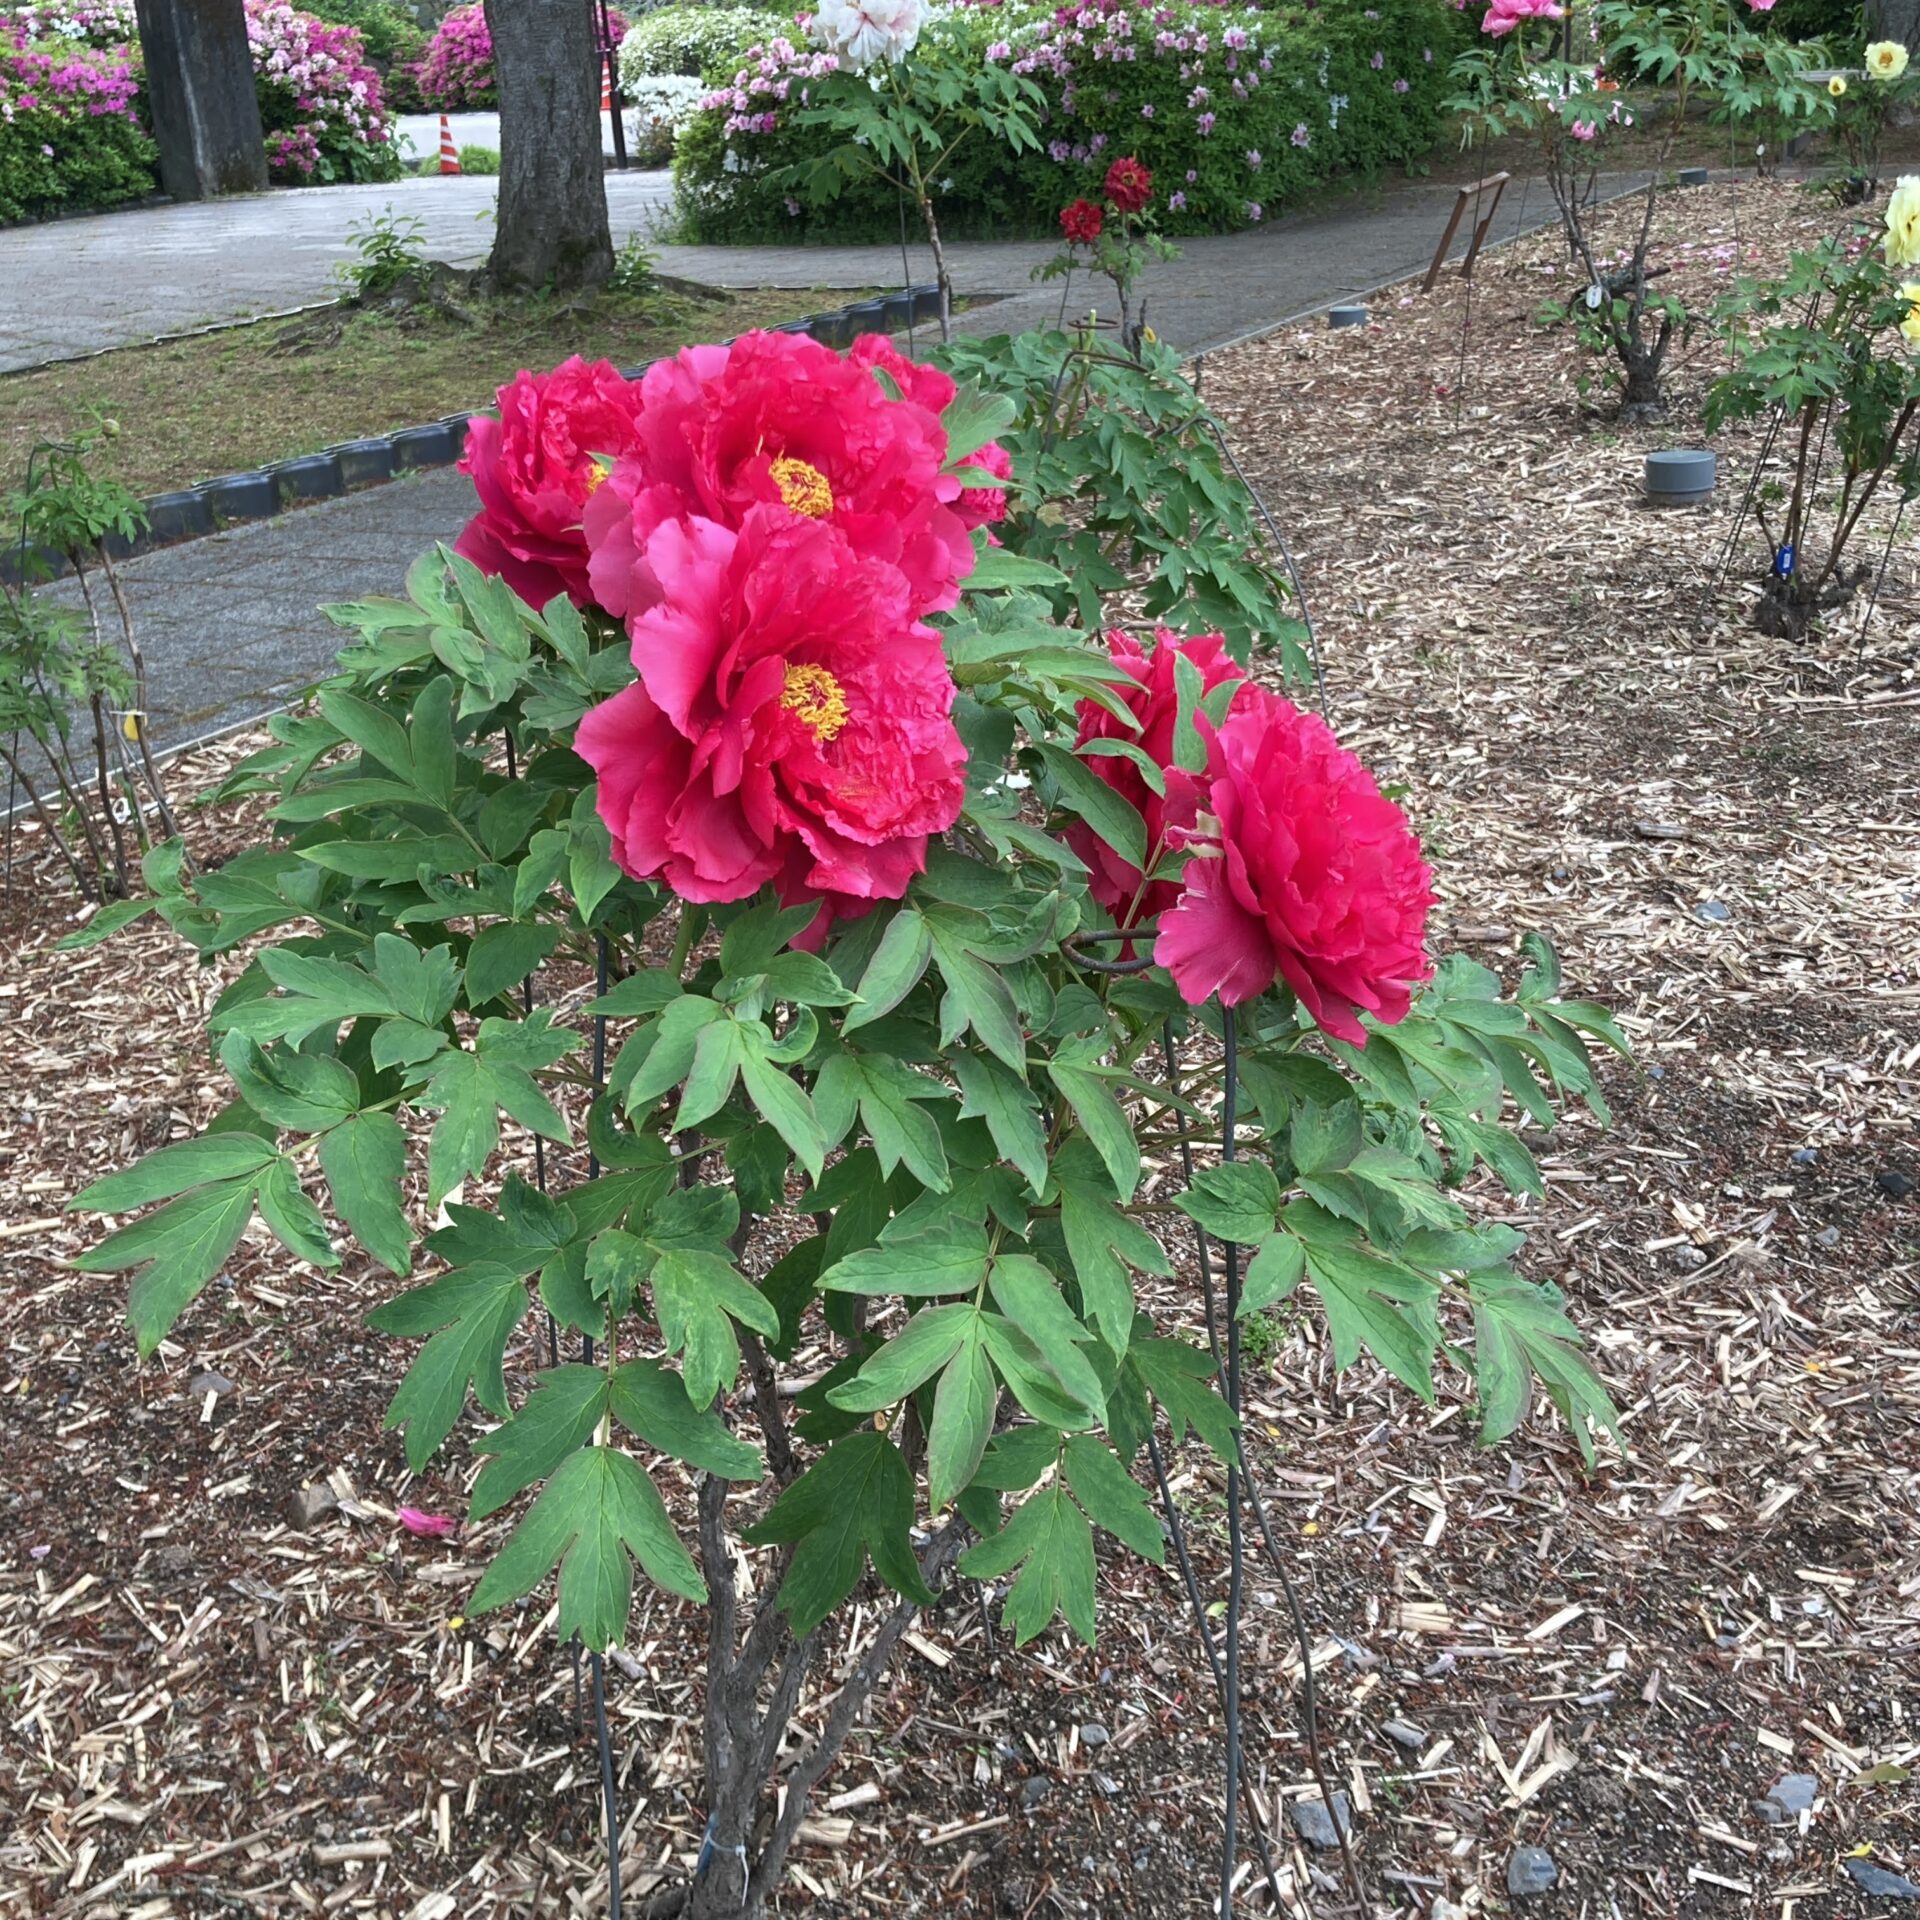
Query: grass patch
column 195, row 409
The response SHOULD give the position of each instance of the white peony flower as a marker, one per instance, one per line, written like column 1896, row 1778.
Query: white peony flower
column 863, row 31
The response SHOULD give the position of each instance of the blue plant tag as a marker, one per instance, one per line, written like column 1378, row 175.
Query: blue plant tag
column 1783, row 563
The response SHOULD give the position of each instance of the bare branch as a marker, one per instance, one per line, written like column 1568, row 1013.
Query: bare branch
column 854, row 1693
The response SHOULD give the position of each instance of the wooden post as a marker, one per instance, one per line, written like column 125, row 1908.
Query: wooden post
column 206, row 115
column 1498, row 182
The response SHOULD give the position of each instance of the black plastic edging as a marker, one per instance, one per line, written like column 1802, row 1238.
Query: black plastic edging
column 192, row 513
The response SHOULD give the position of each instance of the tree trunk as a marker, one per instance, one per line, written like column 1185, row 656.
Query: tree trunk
column 551, row 223
column 206, row 115
column 1895, row 20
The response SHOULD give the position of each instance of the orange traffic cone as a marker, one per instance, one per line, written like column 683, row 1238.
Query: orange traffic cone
column 449, row 153
column 606, row 92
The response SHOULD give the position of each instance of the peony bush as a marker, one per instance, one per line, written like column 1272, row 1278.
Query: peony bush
column 1236, row 110
column 747, row 898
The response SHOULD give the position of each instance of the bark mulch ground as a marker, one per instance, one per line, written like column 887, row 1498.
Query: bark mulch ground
column 206, row 1709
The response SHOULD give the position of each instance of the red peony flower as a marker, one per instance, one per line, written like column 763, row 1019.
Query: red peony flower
column 919, row 381
column 790, row 723
column 780, row 421
column 1129, row 185
column 1081, row 222
column 535, row 469
column 928, row 387
column 982, row 506
column 1304, row 872
column 1154, row 701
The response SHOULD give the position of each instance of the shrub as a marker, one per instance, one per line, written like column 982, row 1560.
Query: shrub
column 70, row 133
column 455, row 74
column 94, row 23
column 1235, row 110
column 394, row 41
column 700, row 42
column 863, row 1088
column 320, row 102
column 1828, row 349
column 659, row 106
column 481, row 160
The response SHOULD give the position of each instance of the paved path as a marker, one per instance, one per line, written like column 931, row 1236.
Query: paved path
column 419, row 133
column 116, row 279
column 230, row 624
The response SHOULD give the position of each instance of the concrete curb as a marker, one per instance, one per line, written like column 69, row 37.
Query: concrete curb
column 193, row 513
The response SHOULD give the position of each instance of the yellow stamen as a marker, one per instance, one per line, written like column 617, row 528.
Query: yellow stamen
column 595, row 474
column 803, row 487
column 813, row 696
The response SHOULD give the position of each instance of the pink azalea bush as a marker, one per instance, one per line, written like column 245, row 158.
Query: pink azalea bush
column 1230, row 106
column 70, row 129
column 320, row 100
column 455, row 74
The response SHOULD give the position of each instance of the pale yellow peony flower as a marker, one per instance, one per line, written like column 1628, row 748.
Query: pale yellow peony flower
column 1910, row 326
column 1903, row 223
column 1886, row 60
column 1836, row 86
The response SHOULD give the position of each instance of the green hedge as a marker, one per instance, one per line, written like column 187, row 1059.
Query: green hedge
column 52, row 163
column 1297, row 97
column 703, row 42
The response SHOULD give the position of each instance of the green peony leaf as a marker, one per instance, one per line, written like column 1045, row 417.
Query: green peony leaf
column 596, row 1515
column 852, row 1504
column 1049, row 1540
column 365, row 1160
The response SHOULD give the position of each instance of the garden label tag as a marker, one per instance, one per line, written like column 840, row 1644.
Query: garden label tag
column 1783, row 563
column 1595, row 294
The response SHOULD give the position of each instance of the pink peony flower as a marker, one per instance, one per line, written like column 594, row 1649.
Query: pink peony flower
column 779, row 420
column 1154, row 701
column 1304, row 873
column 926, row 386
column 1583, row 130
column 1504, row 15
column 534, row 470
column 426, row 1523
column 790, row 723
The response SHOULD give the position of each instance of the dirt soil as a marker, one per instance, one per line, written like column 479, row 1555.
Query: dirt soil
column 210, row 1710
